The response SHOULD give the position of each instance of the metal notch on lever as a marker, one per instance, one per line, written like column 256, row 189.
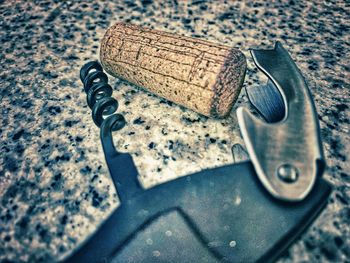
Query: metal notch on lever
column 268, row 101
column 286, row 155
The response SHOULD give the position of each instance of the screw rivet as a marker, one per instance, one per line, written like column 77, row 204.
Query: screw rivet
column 287, row 173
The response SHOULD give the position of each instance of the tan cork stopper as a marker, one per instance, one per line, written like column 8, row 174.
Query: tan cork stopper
column 197, row 74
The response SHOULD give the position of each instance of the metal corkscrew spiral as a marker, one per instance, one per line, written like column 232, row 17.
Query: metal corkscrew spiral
column 99, row 96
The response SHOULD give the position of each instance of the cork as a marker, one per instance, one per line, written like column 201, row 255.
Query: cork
column 203, row 76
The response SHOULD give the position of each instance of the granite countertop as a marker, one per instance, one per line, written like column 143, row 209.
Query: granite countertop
column 55, row 188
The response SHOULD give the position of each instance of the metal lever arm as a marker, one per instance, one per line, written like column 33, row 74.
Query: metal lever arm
column 287, row 155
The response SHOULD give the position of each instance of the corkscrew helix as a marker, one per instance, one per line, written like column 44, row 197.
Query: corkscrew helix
column 99, row 96
column 120, row 165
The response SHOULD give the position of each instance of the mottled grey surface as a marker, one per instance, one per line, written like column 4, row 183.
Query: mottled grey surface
column 54, row 184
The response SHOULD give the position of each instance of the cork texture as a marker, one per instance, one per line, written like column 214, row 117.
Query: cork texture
column 197, row 74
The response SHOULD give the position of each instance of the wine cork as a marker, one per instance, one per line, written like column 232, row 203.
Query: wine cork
column 197, row 74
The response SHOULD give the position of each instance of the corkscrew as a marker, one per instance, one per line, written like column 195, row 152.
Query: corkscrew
column 103, row 106
column 99, row 96
column 197, row 218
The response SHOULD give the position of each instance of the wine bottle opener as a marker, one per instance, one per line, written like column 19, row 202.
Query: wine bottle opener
column 244, row 212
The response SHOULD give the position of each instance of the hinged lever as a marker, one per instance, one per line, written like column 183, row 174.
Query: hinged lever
column 286, row 155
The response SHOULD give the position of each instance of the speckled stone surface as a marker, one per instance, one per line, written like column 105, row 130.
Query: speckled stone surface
column 54, row 184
